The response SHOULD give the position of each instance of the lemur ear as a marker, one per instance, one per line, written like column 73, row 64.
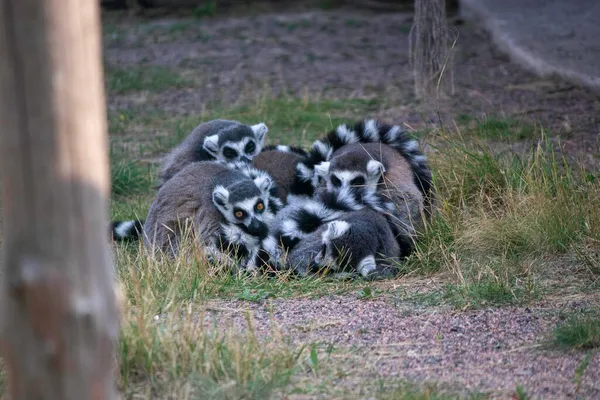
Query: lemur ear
column 322, row 169
column 260, row 131
column 375, row 169
column 220, row 196
column 211, row 144
column 263, row 183
column 334, row 230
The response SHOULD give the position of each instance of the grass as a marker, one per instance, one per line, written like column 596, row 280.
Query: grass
column 578, row 331
column 494, row 128
column 142, row 78
column 501, row 219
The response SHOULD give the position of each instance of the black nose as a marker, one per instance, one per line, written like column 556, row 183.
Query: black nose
column 258, row 228
column 245, row 159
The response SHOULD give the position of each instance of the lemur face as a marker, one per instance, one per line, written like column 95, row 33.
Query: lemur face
column 246, row 205
column 360, row 180
column 239, row 144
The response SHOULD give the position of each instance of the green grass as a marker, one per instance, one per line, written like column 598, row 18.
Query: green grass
column 495, row 128
column 142, row 78
column 427, row 391
column 205, row 9
column 578, row 331
column 129, row 178
column 500, row 220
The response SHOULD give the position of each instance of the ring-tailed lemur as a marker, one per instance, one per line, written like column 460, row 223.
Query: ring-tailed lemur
column 228, row 211
column 367, row 169
column 221, row 140
column 371, row 131
column 357, row 242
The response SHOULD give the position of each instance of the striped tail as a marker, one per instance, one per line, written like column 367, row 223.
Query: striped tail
column 370, row 131
column 126, row 230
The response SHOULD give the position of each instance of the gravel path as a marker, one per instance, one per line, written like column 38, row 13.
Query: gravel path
column 489, row 350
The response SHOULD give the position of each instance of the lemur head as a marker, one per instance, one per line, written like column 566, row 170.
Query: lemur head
column 236, row 142
column 245, row 204
column 358, row 173
column 339, row 250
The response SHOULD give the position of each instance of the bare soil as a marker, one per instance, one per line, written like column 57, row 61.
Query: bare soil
column 342, row 54
column 488, row 351
column 348, row 53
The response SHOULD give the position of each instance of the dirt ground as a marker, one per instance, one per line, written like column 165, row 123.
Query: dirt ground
column 344, row 54
column 348, row 53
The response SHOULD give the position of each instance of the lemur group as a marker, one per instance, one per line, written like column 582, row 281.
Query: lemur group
column 352, row 204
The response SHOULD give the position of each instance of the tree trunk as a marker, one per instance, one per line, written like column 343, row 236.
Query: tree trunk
column 431, row 50
column 58, row 313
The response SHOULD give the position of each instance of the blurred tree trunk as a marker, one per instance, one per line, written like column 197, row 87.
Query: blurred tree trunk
column 58, row 317
column 430, row 50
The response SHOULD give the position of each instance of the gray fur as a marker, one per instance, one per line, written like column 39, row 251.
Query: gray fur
column 394, row 181
column 204, row 195
column 342, row 245
column 207, row 142
column 281, row 165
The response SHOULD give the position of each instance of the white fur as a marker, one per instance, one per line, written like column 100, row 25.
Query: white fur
column 346, row 134
column 289, row 228
column 334, row 230
column 211, row 144
column 283, row 148
column 411, row 145
column 392, row 134
column 305, row 172
column 322, row 169
column 371, row 130
column 260, row 131
column 419, row 159
column 375, row 169
column 123, row 229
column 220, row 196
column 263, row 183
column 367, row 265
column 323, row 149
column 320, row 210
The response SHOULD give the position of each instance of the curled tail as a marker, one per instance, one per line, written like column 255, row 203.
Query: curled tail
column 305, row 217
column 126, row 230
column 369, row 131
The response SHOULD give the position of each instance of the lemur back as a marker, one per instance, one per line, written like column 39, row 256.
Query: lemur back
column 222, row 140
column 280, row 162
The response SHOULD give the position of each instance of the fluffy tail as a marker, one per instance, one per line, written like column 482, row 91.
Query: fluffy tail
column 126, row 230
column 307, row 216
column 370, row 131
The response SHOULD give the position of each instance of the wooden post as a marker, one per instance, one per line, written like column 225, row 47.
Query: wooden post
column 59, row 319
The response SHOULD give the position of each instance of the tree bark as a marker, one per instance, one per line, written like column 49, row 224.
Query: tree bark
column 58, row 315
column 431, row 50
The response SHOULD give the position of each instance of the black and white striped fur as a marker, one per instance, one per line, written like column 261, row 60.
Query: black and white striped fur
column 298, row 220
column 368, row 131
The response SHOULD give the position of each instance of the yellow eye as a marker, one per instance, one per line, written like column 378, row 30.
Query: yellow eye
column 260, row 207
column 239, row 214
